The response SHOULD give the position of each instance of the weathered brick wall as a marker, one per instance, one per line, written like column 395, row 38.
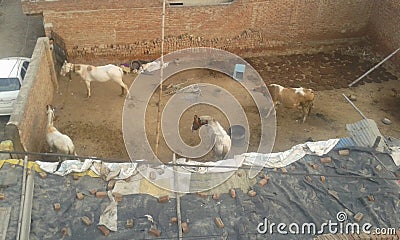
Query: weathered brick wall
column 124, row 30
column 384, row 27
column 28, row 121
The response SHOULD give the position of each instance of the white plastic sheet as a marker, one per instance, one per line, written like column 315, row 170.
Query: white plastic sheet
column 109, row 216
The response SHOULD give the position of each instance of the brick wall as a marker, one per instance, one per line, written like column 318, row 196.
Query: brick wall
column 384, row 27
column 122, row 30
column 27, row 123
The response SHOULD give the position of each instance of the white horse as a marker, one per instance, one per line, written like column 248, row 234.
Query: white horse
column 91, row 73
column 57, row 141
column 222, row 140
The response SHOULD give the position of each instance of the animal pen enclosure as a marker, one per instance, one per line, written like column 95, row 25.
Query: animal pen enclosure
column 95, row 124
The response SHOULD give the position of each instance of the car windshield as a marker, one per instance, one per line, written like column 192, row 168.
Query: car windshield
column 9, row 84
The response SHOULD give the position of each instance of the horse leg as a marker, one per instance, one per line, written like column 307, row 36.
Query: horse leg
column 306, row 109
column 124, row 87
column 88, row 88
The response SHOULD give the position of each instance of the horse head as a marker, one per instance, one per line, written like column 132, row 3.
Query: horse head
column 66, row 68
column 198, row 122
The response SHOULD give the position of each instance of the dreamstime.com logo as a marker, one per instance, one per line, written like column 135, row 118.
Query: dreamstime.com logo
column 147, row 83
column 339, row 226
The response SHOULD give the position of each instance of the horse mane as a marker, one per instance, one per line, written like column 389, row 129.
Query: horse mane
column 218, row 129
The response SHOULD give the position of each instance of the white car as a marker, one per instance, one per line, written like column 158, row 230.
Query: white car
column 12, row 73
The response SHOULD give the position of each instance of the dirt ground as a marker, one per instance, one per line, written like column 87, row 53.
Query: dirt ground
column 95, row 124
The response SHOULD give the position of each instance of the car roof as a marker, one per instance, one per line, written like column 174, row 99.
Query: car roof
column 9, row 66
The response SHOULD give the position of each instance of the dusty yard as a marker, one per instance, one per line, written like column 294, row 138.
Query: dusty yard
column 95, row 124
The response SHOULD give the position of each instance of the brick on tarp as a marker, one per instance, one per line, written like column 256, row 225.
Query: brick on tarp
column 232, row 192
column 252, row 193
column 163, row 199
column 155, row 232
column 358, row 217
column 43, row 175
column 64, row 231
column 104, row 230
column 323, row 179
column 173, row 220
column 80, row 196
column 86, row 220
column 344, row 152
column 57, row 206
column 326, row 160
column 185, row 227
column 93, row 191
column 101, row 194
column 371, row 198
column 129, row 223
column 314, row 166
column 263, row 182
column 218, row 222
column 215, row 196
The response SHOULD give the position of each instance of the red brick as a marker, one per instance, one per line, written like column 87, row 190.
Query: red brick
column 219, row 222
column 358, row 217
column 284, row 170
column 344, row 152
column 185, row 227
column 314, row 166
column 371, row 198
column 215, row 196
column 57, row 206
column 101, row 194
column 43, row 175
column 93, row 191
column 86, row 220
column 232, row 192
column 326, row 160
column 129, row 223
column 104, row 230
column 163, row 199
column 252, row 193
column 323, row 179
column 173, row 220
column 80, row 196
column 155, row 232
column 262, row 182
column 64, row 231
